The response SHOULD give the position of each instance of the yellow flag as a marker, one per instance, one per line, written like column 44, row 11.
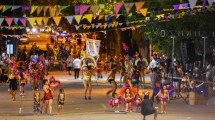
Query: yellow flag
column 88, row 27
column 105, row 25
column 45, row 20
column 181, row 7
column 117, row 16
column 78, row 18
column 39, row 20
column 143, row 11
column 84, row 26
column 31, row 21
column 89, row 17
column 57, row 20
column 101, row 16
column 33, row 8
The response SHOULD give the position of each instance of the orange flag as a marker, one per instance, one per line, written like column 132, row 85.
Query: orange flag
column 139, row 5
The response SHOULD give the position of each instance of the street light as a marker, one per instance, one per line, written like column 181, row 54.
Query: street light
column 173, row 49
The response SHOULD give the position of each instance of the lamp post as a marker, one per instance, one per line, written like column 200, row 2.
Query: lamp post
column 204, row 54
column 173, row 50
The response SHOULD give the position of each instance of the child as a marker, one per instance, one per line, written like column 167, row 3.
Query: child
column 115, row 102
column 138, row 101
column 128, row 100
column 164, row 98
column 37, row 99
column 61, row 100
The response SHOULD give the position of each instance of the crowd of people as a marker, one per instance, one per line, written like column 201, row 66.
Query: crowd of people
column 166, row 76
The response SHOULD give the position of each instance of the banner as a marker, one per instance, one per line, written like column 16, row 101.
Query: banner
column 45, row 10
column 69, row 19
column 92, row 47
column 128, row 7
column 78, row 18
column 143, row 11
column 39, row 9
column 24, row 8
column 9, row 21
column 31, row 21
column 6, row 7
column 23, row 21
column 77, row 9
column 1, row 20
column 33, row 8
column 45, row 20
column 15, row 20
column 94, row 9
column 57, row 20
column 117, row 7
column 83, row 9
column 210, row 2
column 15, row 7
column 139, row 5
column 39, row 20
column 89, row 17
column 192, row 3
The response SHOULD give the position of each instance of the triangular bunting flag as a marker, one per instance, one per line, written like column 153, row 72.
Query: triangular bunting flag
column 109, row 25
column 101, row 7
column 108, row 17
column 15, row 20
column 117, row 7
column 88, row 27
column 69, row 19
column 64, row 7
column 45, row 20
column 51, row 11
column 101, row 26
column 94, row 9
column 57, row 20
column 92, row 26
column 185, row 5
column 23, row 21
column 33, row 8
column 120, row 24
column 143, row 11
column 117, row 16
column 84, row 26
column 101, row 16
column 1, row 20
column 97, row 26
column 176, row 7
column 31, row 21
column 1, row 6
column 210, row 2
column 89, row 17
column 139, row 5
column 24, row 8
column 45, row 8
column 181, row 7
column 192, row 3
column 77, row 9
column 6, row 7
column 15, row 7
column 78, row 18
column 39, row 9
column 39, row 20
column 83, row 9
column 105, row 25
column 9, row 21
column 77, row 26
column 57, row 10
column 128, row 7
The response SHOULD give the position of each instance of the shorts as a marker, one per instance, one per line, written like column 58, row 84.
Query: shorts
column 69, row 68
column 60, row 102
column 135, row 81
column 22, row 84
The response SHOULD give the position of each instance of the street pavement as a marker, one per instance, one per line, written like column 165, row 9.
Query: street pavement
column 77, row 108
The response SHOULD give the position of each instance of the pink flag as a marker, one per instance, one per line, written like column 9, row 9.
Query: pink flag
column 9, row 21
column 117, row 7
column 83, row 9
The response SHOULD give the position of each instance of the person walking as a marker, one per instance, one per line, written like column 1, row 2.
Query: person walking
column 13, row 84
column 87, row 82
column 77, row 66
column 69, row 64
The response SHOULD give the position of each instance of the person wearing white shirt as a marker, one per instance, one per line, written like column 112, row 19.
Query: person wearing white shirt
column 77, row 66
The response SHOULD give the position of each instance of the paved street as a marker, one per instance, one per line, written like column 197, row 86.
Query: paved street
column 76, row 108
